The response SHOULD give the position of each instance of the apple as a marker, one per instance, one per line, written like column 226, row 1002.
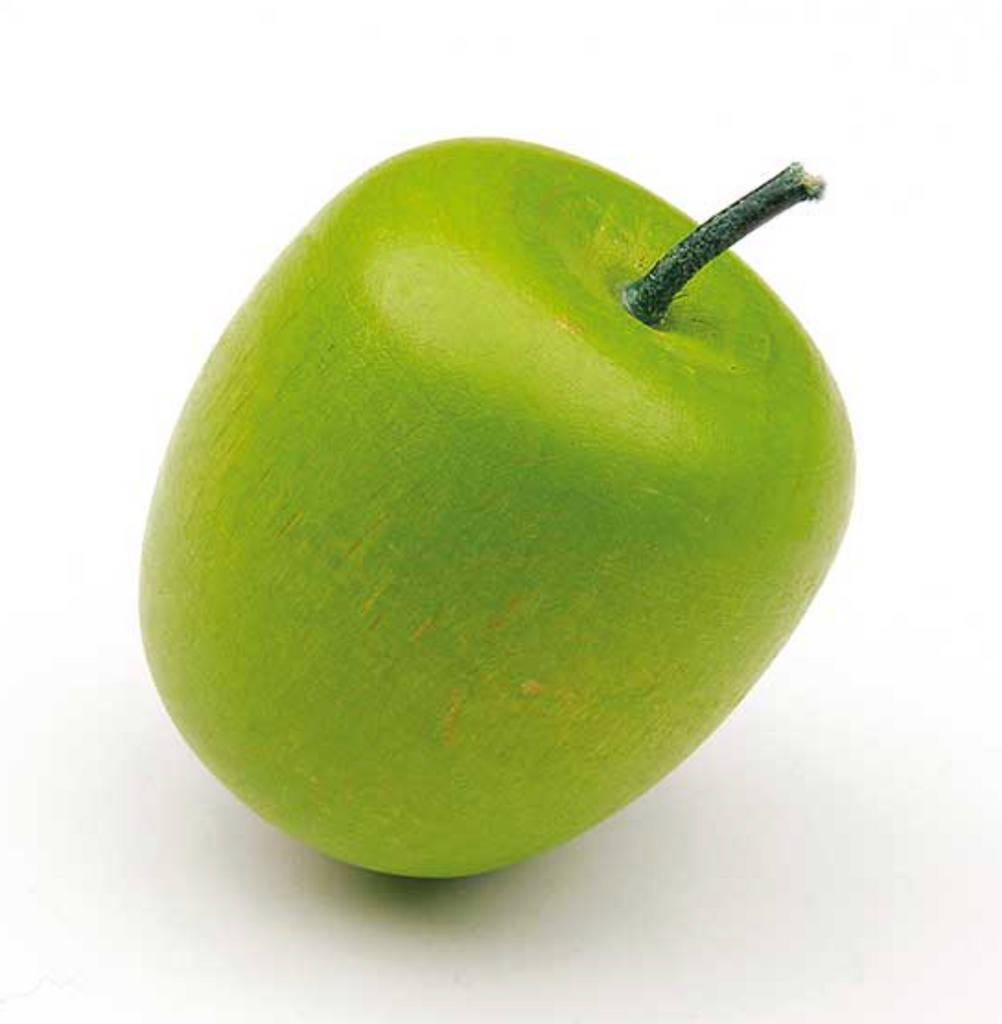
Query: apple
column 481, row 516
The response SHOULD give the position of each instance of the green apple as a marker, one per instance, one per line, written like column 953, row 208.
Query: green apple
column 463, row 540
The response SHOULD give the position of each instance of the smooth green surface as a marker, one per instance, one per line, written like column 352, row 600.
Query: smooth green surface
column 450, row 557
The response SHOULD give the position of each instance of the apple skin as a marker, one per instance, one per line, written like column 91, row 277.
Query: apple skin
column 450, row 557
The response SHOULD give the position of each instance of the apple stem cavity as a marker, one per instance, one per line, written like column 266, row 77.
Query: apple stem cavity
column 649, row 297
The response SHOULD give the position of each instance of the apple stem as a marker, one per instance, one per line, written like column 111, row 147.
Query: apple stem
column 649, row 297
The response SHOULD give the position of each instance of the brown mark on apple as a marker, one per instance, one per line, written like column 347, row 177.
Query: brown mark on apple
column 532, row 687
column 423, row 628
column 379, row 521
column 294, row 520
column 501, row 618
column 456, row 697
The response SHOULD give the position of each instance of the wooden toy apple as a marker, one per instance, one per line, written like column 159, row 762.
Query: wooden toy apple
column 481, row 517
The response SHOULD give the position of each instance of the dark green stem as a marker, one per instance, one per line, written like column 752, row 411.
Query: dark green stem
column 649, row 297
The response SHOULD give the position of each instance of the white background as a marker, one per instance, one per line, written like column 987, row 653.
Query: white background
column 833, row 853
